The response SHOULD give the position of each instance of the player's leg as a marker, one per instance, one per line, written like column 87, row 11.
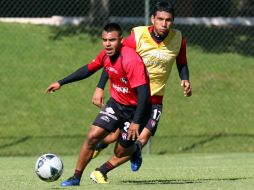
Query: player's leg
column 110, row 138
column 122, row 155
column 148, row 131
column 99, row 175
column 123, row 149
column 94, row 136
column 102, row 126
column 144, row 136
column 151, row 126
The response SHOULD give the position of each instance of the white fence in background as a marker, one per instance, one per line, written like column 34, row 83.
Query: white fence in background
column 209, row 21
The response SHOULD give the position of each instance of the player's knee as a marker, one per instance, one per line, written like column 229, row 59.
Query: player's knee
column 124, row 151
column 111, row 138
column 119, row 154
column 114, row 137
column 92, row 139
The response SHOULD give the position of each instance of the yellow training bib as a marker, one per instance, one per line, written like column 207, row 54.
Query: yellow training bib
column 158, row 58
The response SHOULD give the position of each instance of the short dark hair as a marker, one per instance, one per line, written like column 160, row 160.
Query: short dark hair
column 113, row 27
column 163, row 6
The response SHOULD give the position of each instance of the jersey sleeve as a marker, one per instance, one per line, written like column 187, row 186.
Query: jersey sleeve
column 130, row 41
column 97, row 63
column 181, row 58
column 136, row 72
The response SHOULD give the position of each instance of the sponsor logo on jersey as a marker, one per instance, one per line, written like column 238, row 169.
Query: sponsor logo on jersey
column 122, row 89
column 124, row 80
column 105, row 118
column 156, row 57
column 113, row 70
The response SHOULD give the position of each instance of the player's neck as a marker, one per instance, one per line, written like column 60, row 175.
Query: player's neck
column 115, row 56
column 157, row 37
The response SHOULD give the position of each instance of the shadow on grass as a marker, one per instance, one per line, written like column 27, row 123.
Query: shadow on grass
column 93, row 31
column 201, row 142
column 65, row 143
column 177, row 181
column 15, row 142
column 68, row 31
column 214, row 39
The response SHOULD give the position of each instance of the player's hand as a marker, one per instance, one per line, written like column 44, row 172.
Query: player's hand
column 53, row 87
column 133, row 131
column 98, row 97
column 186, row 88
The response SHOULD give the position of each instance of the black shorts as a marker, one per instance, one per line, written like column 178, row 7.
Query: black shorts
column 156, row 111
column 115, row 115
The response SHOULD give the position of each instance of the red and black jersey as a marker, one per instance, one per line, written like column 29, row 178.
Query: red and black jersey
column 126, row 72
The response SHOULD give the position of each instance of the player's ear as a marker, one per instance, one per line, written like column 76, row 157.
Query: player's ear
column 152, row 19
column 121, row 37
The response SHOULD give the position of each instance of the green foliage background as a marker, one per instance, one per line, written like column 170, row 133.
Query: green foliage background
column 217, row 118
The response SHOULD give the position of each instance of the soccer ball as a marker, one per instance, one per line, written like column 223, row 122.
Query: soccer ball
column 49, row 167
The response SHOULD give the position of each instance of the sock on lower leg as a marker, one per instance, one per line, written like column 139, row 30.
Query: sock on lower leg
column 139, row 144
column 78, row 174
column 105, row 168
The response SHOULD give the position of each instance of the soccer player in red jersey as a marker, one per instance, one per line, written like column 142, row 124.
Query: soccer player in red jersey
column 159, row 46
column 129, row 91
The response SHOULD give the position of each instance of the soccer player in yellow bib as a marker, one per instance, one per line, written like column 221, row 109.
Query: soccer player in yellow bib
column 160, row 46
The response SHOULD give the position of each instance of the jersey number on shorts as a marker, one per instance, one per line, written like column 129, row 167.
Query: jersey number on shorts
column 156, row 114
column 126, row 126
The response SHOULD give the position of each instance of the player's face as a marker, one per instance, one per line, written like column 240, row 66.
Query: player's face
column 111, row 42
column 162, row 21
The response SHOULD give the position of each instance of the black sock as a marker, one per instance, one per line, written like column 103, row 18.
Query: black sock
column 105, row 168
column 101, row 145
column 78, row 174
column 138, row 144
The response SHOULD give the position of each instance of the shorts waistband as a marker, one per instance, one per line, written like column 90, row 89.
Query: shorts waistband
column 156, row 99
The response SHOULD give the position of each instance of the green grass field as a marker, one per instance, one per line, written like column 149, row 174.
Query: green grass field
column 231, row 171
column 217, row 118
column 203, row 142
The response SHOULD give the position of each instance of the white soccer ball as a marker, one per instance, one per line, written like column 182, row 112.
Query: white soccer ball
column 49, row 167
